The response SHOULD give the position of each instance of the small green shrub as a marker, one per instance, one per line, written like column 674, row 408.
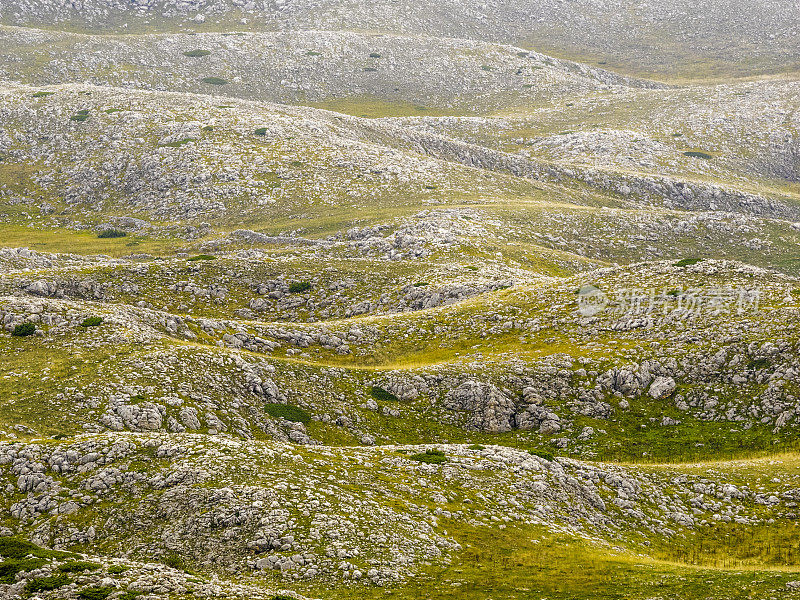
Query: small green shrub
column 374, row 55
column 758, row 363
column 10, row 568
column 379, row 393
column 132, row 595
column 23, row 330
column 80, row 116
column 201, row 257
column 282, row 597
column 98, row 592
column 299, row 286
column 214, row 80
column 288, row 412
column 486, row 68
column 92, row 321
column 685, row 262
column 78, row 566
column 15, row 548
column 261, row 131
column 207, row 128
column 43, row 584
column 173, row 560
column 196, row 53
column 370, row 69
column 476, row 447
column 542, row 454
column 42, row 94
column 178, row 143
column 313, row 53
column 430, row 456
column 421, row 284
column 111, row 233
column 117, row 569
column 695, row 154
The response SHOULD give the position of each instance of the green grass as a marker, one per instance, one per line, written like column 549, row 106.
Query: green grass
column 298, row 287
column 196, row 53
column 686, row 262
column 531, row 563
column 214, row 80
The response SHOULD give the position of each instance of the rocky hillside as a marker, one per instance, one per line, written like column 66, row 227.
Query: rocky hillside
column 312, row 300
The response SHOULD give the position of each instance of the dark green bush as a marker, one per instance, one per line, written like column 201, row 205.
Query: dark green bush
column 117, row 569
column 78, row 566
column 685, row 262
column 214, row 80
column 379, row 393
column 132, row 595
column 98, row 592
column 695, row 154
column 299, row 286
column 542, row 454
column 370, row 69
column 282, row 597
column 201, row 257
column 23, row 330
column 43, row 584
column 476, row 447
column 92, row 321
column 80, row 116
column 111, row 233
column 12, row 547
column 430, row 456
column 421, row 284
column 288, row 412
column 196, row 53
column 374, row 55
column 174, row 560
column 758, row 363
column 313, row 53
column 42, row 94
column 261, row 131
column 10, row 568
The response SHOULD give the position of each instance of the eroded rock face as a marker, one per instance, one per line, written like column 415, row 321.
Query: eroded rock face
column 491, row 409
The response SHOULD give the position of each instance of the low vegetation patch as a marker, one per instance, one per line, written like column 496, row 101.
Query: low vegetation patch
column 214, row 80
column 44, row 584
column 379, row 393
column 98, row 592
column 111, row 233
column 696, row 154
column 430, row 456
column 261, row 131
column 42, row 94
column 78, row 566
column 201, row 257
column 196, row 53
column 685, row 262
column 10, row 568
column 92, row 321
column 80, row 116
column 287, row 412
column 23, row 330
column 542, row 454
column 299, row 286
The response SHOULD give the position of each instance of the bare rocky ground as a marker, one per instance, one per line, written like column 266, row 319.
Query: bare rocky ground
column 311, row 300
